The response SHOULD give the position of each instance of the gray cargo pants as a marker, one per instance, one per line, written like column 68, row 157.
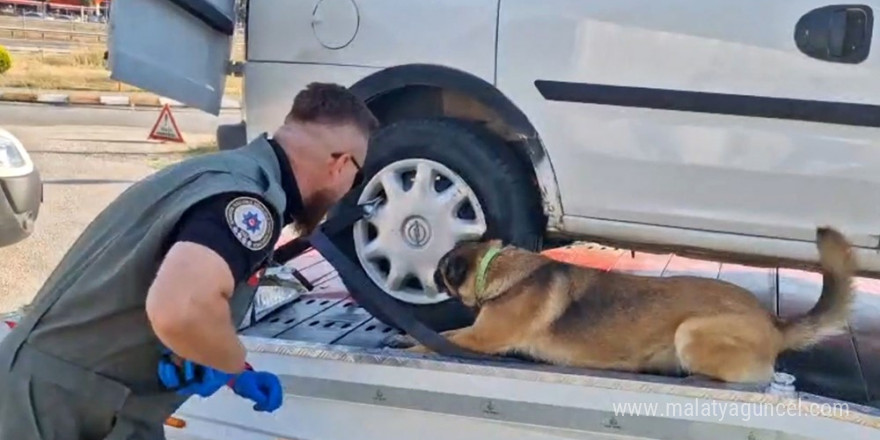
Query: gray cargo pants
column 45, row 398
column 31, row 409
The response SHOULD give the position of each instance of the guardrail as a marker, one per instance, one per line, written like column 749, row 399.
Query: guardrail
column 34, row 22
column 27, row 33
column 83, row 39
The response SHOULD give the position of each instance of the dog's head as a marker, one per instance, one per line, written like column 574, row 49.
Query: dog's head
column 458, row 270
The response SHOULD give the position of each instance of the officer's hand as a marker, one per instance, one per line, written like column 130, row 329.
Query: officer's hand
column 262, row 387
column 190, row 378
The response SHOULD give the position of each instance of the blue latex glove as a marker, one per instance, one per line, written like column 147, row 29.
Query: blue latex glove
column 262, row 387
column 191, row 378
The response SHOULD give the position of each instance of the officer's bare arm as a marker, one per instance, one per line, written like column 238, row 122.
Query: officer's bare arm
column 211, row 252
column 188, row 307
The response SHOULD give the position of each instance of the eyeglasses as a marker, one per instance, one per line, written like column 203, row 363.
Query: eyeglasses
column 359, row 175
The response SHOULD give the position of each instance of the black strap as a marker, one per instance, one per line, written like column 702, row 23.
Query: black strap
column 362, row 288
column 366, row 292
column 347, row 215
column 292, row 249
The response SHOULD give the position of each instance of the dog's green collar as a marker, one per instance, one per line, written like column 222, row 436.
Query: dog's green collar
column 484, row 267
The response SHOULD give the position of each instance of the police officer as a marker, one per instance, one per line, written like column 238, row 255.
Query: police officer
column 140, row 313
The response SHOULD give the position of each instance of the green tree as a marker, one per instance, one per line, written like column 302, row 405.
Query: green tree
column 5, row 60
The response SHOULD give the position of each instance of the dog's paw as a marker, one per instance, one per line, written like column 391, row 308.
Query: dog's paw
column 418, row 348
column 399, row 341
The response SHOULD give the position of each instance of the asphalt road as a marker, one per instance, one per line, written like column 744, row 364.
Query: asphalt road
column 86, row 157
column 196, row 121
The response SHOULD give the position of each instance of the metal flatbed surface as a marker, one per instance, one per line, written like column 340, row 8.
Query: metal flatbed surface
column 844, row 367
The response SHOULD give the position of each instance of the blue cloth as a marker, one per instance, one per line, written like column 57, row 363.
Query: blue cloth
column 191, row 378
column 262, row 387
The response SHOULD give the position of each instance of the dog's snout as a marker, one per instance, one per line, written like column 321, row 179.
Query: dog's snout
column 438, row 280
column 438, row 274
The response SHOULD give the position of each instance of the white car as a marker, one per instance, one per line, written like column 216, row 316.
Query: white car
column 703, row 127
column 22, row 191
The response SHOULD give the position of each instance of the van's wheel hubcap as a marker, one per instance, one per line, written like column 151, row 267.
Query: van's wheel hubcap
column 426, row 209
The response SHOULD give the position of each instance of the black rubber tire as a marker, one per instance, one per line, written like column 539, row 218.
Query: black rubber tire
column 510, row 199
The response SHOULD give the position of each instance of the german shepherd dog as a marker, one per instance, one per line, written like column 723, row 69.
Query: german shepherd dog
column 532, row 305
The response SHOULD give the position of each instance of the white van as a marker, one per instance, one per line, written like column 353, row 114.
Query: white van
column 704, row 127
column 701, row 127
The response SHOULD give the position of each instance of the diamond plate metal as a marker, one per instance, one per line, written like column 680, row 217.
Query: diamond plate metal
column 368, row 335
column 329, row 325
column 298, row 311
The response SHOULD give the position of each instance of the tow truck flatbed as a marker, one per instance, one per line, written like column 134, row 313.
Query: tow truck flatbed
column 342, row 384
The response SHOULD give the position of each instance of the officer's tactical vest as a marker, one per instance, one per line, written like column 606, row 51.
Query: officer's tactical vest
column 91, row 309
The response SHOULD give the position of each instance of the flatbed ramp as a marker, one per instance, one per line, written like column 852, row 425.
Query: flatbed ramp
column 342, row 384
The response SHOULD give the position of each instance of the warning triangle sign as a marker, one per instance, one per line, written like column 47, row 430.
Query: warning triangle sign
column 165, row 128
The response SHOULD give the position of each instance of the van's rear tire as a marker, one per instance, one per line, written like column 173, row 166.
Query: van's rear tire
column 500, row 194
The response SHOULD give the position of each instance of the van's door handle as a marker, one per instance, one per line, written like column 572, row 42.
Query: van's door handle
column 836, row 33
column 837, row 27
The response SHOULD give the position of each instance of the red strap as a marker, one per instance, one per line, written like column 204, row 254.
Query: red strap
column 254, row 280
column 231, row 382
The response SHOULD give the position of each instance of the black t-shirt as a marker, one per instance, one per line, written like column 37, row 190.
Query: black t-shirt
column 241, row 228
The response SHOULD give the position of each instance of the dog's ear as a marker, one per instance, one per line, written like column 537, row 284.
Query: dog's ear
column 456, row 270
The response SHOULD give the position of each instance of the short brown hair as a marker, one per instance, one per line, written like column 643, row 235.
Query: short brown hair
column 328, row 103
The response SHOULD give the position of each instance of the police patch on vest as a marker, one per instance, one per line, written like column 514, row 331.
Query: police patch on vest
column 250, row 221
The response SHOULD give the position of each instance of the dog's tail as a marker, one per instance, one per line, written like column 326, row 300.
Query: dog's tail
column 829, row 316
